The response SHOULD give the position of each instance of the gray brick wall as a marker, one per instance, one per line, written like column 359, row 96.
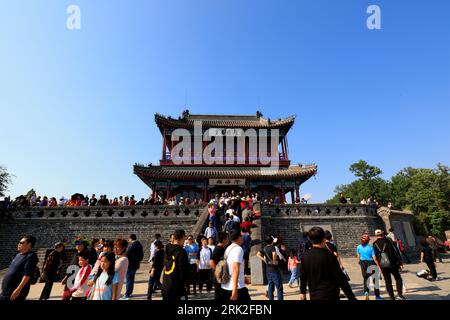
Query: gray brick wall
column 13, row 225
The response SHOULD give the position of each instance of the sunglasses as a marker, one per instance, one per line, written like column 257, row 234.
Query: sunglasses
column 190, row 239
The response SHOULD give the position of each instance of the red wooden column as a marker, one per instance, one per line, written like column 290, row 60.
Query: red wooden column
column 292, row 196
column 283, row 196
column 297, row 192
column 163, row 157
column 286, row 157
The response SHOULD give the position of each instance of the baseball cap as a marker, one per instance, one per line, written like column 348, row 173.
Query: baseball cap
column 378, row 232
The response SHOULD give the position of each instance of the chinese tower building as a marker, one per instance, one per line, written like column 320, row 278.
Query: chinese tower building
column 253, row 157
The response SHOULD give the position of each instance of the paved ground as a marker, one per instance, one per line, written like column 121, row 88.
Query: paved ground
column 416, row 288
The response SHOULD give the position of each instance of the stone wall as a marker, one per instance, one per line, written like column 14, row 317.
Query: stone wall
column 50, row 225
column 346, row 222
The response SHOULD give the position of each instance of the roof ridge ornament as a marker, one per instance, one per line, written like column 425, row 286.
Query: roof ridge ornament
column 185, row 114
column 259, row 114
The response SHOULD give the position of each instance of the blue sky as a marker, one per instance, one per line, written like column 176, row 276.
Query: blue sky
column 77, row 106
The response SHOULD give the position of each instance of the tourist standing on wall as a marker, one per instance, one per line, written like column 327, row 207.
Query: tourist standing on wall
column 204, row 266
column 342, row 198
column 192, row 250
column 156, row 268
column 320, row 271
column 176, row 269
column 106, row 280
column 21, row 272
column 121, row 264
column 235, row 288
column 135, row 254
column 51, row 270
column 426, row 255
column 367, row 259
column 269, row 256
column 217, row 255
column 390, row 263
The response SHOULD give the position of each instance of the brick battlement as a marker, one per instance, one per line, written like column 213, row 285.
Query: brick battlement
column 51, row 225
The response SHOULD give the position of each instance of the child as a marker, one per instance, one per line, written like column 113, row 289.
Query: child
column 292, row 266
column 156, row 270
column 80, row 289
column 106, row 280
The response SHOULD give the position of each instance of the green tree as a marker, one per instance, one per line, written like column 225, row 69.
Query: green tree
column 5, row 180
column 363, row 170
column 426, row 192
column 368, row 184
column 439, row 222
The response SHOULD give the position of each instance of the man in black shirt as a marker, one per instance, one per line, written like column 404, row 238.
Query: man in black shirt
column 51, row 270
column 384, row 247
column 269, row 255
column 16, row 282
column 93, row 201
column 176, row 269
column 320, row 271
column 217, row 255
column 135, row 254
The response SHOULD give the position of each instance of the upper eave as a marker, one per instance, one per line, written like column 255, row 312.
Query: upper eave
column 223, row 121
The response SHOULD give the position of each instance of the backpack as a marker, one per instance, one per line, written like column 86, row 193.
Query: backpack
column 384, row 258
column 222, row 274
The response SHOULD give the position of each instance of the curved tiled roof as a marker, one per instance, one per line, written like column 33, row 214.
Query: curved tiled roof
column 223, row 121
column 178, row 172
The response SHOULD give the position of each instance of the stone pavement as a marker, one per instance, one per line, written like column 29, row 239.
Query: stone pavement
column 416, row 288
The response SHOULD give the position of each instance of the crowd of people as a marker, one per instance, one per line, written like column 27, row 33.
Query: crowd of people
column 369, row 201
column 80, row 200
column 216, row 260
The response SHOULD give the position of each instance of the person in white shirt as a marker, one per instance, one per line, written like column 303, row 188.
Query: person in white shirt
column 204, row 267
column 211, row 244
column 121, row 263
column 80, row 287
column 234, row 255
column 153, row 247
column 210, row 231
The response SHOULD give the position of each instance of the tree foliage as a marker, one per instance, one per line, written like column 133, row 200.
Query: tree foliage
column 426, row 192
column 369, row 183
column 5, row 180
